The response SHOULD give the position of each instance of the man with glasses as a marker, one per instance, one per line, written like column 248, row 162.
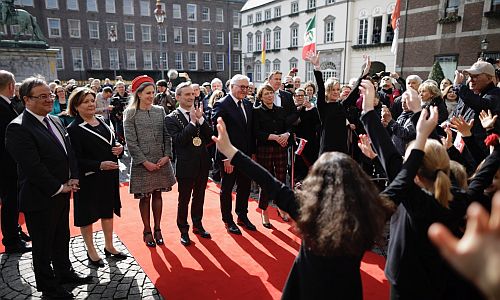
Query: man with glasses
column 48, row 173
column 236, row 111
column 12, row 240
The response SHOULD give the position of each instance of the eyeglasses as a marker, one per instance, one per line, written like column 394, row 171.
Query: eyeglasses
column 60, row 91
column 44, row 97
column 300, row 96
column 243, row 87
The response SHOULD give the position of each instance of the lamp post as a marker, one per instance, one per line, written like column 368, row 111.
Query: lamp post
column 484, row 47
column 112, row 39
column 160, row 18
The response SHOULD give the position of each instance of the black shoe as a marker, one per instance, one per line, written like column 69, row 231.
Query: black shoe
column 19, row 247
column 246, row 222
column 73, row 277
column 23, row 236
column 158, row 237
column 57, row 293
column 185, row 240
column 96, row 263
column 232, row 228
column 119, row 255
column 150, row 243
column 202, row 232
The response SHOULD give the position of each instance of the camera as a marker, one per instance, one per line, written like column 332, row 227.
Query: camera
column 288, row 85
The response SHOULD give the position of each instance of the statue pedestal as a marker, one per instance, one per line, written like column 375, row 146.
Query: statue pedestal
column 26, row 62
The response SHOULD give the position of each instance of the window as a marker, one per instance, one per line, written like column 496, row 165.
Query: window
column 277, row 11
column 236, row 19
column 389, row 32
column 77, row 57
column 145, row 10
column 329, row 70
column 330, row 1
column 54, row 27
column 293, row 63
column 176, row 11
column 267, row 14
column 207, row 61
column 294, row 7
column 448, row 64
column 363, row 32
column 178, row 61
column 162, row 35
column 146, row 33
column 74, row 28
column 377, row 30
column 59, row 58
column 495, row 5
column 267, row 67
column 311, row 4
column 258, row 17
column 452, row 7
column 309, row 71
column 131, row 59
column 128, row 8
column 93, row 30
column 249, row 42
column 110, row 25
column 294, row 36
column 219, row 60
column 220, row 37
column 95, row 55
column 192, row 60
column 129, row 32
column 72, row 5
column 177, row 35
column 258, row 41
column 51, row 4
column 236, row 41
column 205, row 14
column 24, row 2
column 258, row 71
column 236, row 62
column 267, row 39
column 276, row 64
column 164, row 60
column 114, row 59
column 147, row 58
column 249, row 19
column 191, row 12
column 277, row 39
column 110, row 6
column 219, row 15
column 329, row 29
column 192, row 36
column 205, row 36
column 92, row 7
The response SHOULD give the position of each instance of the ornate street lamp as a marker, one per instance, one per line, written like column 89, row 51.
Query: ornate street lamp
column 484, row 46
column 112, row 38
column 160, row 18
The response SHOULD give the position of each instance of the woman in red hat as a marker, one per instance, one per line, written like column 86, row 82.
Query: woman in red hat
column 150, row 147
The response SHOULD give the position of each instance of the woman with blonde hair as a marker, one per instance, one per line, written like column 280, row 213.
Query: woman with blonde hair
column 430, row 95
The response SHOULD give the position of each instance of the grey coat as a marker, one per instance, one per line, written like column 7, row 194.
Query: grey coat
column 148, row 140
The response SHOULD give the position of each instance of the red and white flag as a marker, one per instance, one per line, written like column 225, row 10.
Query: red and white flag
column 459, row 142
column 301, row 146
column 309, row 38
column 395, row 17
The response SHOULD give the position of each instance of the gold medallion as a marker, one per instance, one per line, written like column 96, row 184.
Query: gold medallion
column 197, row 141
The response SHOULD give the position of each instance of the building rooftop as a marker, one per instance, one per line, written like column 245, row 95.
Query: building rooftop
column 254, row 3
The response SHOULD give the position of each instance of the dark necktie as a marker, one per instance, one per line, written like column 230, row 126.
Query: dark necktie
column 49, row 127
column 188, row 116
column 240, row 105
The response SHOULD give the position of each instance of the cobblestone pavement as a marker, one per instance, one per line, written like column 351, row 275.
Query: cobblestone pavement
column 117, row 280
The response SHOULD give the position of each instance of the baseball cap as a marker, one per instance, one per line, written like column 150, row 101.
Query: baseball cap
column 481, row 67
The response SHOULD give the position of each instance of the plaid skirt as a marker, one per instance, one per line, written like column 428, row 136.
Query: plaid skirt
column 273, row 158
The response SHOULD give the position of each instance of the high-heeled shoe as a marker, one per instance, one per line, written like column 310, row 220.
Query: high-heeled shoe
column 150, row 243
column 96, row 263
column 119, row 255
column 283, row 216
column 158, row 237
column 265, row 220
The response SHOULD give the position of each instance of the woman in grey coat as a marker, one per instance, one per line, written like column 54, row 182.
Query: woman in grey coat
column 150, row 147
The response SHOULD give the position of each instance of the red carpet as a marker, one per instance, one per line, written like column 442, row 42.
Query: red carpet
column 252, row 266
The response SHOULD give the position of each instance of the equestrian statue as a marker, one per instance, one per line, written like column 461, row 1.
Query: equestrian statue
column 14, row 16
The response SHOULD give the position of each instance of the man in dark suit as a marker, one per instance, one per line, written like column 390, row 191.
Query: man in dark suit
column 236, row 111
column 283, row 98
column 190, row 134
column 8, row 176
column 47, row 172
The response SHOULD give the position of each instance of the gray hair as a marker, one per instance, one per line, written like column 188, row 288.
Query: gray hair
column 215, row 80
column 178, row 89
column 414, row 77
column 239, row 77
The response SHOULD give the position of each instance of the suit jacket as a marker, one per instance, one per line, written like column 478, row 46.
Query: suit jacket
column 239, row 131
column 7, row 163
column 43, row 164
column 292, row 115
column 191, row 159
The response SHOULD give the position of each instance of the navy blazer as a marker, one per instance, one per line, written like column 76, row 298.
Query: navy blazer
column 43, row 164
column 240, row 131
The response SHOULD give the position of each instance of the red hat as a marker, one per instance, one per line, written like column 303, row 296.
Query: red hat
column 139, row 80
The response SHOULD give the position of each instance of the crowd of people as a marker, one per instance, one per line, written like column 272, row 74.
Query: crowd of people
column 340, row 160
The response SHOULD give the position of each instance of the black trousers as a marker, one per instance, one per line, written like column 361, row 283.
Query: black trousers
column 49, row 231
column 187, row 186
column 242, row 193
column 9, row 212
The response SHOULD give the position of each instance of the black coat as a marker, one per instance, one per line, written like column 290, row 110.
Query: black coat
column 7, row 163
column 99, row 195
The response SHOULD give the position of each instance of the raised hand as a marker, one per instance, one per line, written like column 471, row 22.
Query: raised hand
column 368, row 91
column 413, row 100
column 199, row 111
column 487, row 119
column 462, row 126
column 459, row 78
column 192, row 115
column 222, row 140
column 313, row 58
column 368, row 64
column 448, row 140
column 365, row 145
column 427, row 122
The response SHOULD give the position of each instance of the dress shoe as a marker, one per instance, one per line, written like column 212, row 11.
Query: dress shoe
column 158, row 237
column 232, row 228
column 185, row 240
column 202, row 232
column 246, row 222
column 265, row 220
column 57, row 293
column 118, row 255
column 150, row 243
column 19, row 247
column 96, row 263
column 73, row 277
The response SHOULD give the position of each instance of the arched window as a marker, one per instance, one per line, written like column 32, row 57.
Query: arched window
column 329, row 29
column 294, row 35
column 249, row 42
column 276, row 64
column 329, row 70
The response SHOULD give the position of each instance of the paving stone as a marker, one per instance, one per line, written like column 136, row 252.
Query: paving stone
column 120, row 294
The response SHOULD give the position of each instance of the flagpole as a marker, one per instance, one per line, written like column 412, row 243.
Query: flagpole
column 404, row 37
column 345, row 42
column 229, row 53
